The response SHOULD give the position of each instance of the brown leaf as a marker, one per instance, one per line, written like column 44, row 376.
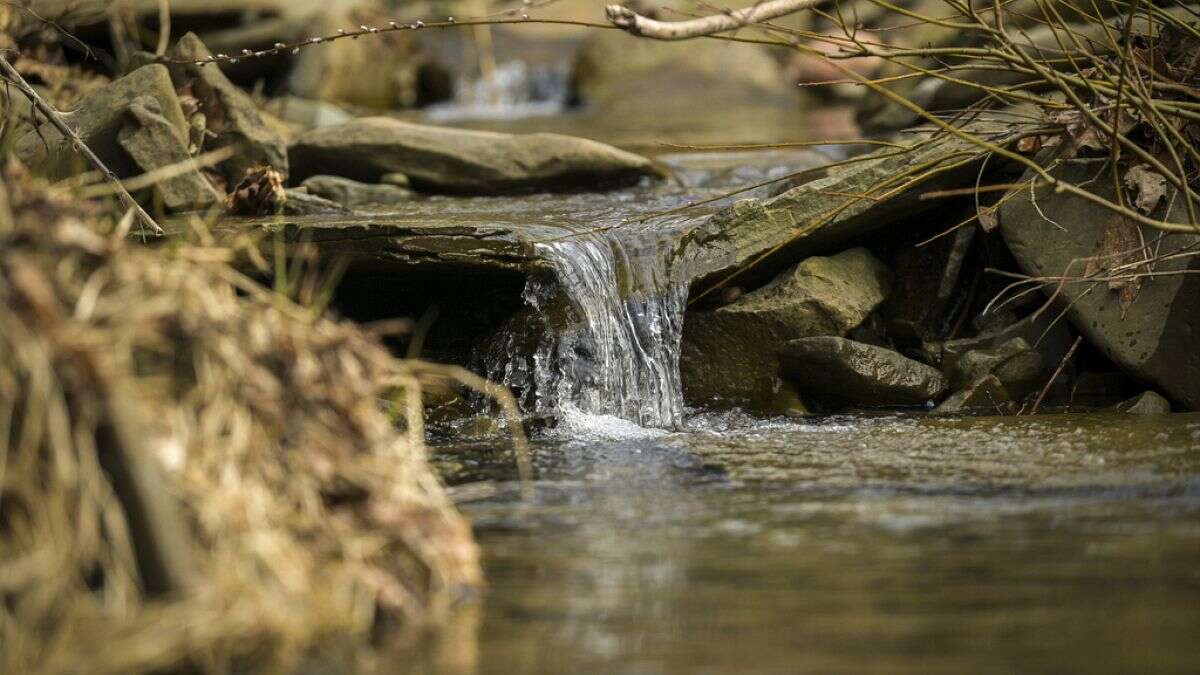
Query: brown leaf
column 1148, row 185
column 1121, row 245
column 988, row 219
column 259, row 194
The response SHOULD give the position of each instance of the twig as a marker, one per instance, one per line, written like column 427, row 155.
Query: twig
column 164, row 27
column 631, row 21
column 1058, row 371
column 56, row 119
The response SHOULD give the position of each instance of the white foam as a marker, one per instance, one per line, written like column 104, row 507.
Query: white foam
column 575, row 424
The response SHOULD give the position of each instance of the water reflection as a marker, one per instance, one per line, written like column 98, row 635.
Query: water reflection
column 893, row 545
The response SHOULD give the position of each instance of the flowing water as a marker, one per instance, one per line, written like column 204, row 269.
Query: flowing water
column 663, row 540
column 616, row 294
column 1057, row 544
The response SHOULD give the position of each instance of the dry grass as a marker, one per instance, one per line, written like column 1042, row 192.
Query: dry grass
column 311, row 524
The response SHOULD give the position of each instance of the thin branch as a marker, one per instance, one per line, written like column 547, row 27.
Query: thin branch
column 631, row 21
column 57, row 121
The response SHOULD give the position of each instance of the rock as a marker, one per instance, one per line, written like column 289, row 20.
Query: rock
column 1050, row 338
column 823, row 214
column 1146, row 403
column 1152, row 330
column 459, row 160
column 231, row 115
column 397, row 179
column 984, row 394
column 155, row 143
column 1017, row 366
column 306, row 114
column 385, row 72
column 844, row 372
column 357, row 196
column 611, row 65
column 97, row 120
column 730, row 354
column 299, row 202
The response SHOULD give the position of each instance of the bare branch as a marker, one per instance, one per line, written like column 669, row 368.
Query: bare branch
column 629, row 20
column 56, row 119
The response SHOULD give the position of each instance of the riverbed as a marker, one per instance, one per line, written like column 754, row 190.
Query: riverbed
column 1058, row 543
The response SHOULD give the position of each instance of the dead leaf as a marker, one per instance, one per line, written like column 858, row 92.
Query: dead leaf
column 1121, row 245
column 988, row 219
column 1148, row 185
column 259, row 194
column 1029, row 144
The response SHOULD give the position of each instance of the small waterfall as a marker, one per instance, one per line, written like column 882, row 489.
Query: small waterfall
column 608, row 346
column 517, row 90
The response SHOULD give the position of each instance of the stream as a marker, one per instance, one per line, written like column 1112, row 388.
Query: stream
column 661, row 539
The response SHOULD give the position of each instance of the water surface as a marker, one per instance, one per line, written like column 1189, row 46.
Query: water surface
column 1049, row 544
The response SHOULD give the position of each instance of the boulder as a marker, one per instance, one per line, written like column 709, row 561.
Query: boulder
column 984, row 394
column 153, row 142
column 385, row 72
column 459, row 160
column 1014, row 363
column 231, row 116
column 1145, row 403
column 756, row 238
column 97, row 120
column 1151, row 329
column 611, row 65
column 355, row 195
column 849, row 373
column 730, row 354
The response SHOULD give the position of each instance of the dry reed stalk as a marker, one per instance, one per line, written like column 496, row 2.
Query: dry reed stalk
column 315, row 523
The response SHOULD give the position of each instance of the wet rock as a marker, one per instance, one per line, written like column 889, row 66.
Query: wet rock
column 355, row 195
column 985, row 394
column 844, row 372
column 1018, row 367
column 1146, row 403
column 231, row 116
column 612, row 65
column 1151, row 330
column 153, row 142
column 729, row 354
column 460, row 160
column 98, row 120
column 823, row 214
column 300, row 202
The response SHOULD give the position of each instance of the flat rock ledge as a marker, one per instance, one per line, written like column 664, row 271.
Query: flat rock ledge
column 441, row 159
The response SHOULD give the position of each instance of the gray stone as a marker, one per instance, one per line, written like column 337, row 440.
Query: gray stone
column 1146, row 403
column 355, row 195
column 300, row 203
column 612, row 65
column 1153, row 336
column 460, row 160
column 844, row 372
column 823, row 214
column 97, row 120
column 154, row 143
column 729, row 355
column 984, row 394
column 1018, row 367
column 1052, row 339
column 230, row 113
